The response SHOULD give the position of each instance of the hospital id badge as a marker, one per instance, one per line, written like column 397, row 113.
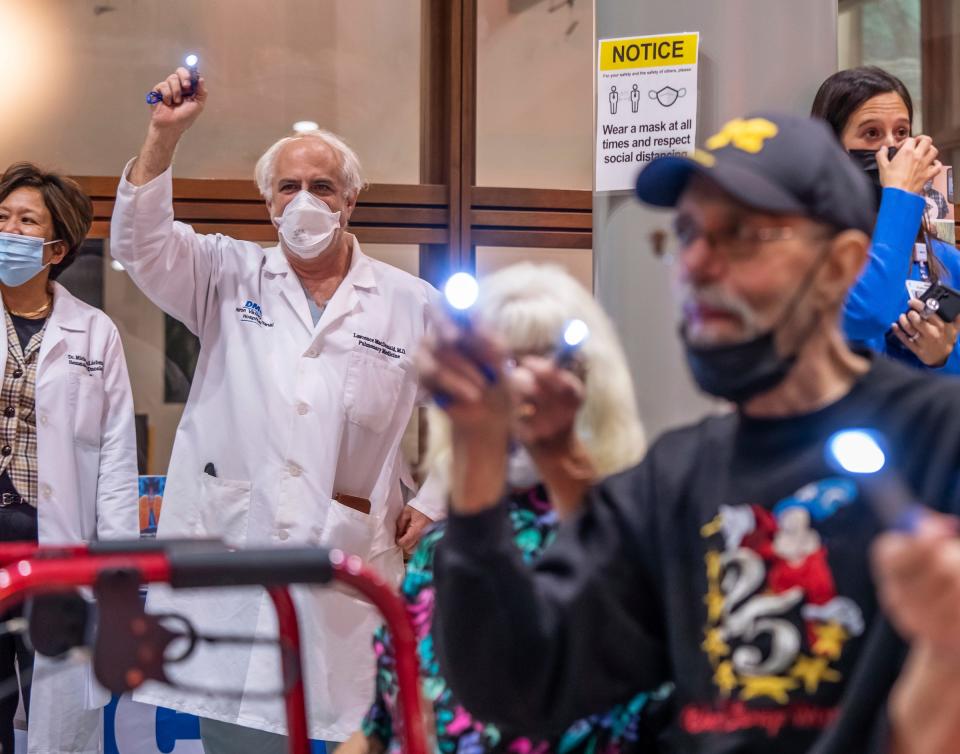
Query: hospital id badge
column 916, row 288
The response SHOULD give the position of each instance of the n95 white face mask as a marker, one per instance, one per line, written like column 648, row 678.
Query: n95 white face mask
column 307, row 225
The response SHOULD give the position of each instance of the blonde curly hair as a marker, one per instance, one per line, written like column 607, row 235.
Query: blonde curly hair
column 527, row 306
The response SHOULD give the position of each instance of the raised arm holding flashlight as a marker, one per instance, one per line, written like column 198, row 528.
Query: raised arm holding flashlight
column 177, row 102
column 308, row 347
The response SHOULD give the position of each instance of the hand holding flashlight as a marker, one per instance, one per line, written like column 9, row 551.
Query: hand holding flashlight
column 916, row 570
column 459, row 362
column 461, row 292
column 575, row 334
column 183, row 96
column 189, row 87
column 862, row 454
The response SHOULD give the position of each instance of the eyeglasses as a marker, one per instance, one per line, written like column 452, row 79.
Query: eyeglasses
column 738, row 241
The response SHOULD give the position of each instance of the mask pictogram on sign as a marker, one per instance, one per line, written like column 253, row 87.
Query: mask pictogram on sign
column 667, row 95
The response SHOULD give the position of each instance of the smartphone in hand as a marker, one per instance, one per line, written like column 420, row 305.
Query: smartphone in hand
column 943, row 300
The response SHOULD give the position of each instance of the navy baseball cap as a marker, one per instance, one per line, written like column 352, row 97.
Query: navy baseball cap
column 781, row 164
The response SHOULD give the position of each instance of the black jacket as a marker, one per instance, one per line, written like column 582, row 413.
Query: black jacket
column 733, row 561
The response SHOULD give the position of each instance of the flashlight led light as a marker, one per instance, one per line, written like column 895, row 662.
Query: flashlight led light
column 461, row 291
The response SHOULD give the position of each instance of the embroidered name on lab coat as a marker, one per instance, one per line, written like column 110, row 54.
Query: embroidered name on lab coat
column 251, row 312
column 394, row 352
column 91, row 365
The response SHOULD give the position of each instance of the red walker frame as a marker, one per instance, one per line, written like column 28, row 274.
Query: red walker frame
column 30, row 569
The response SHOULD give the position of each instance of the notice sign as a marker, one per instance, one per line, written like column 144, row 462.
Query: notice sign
column 646, row 104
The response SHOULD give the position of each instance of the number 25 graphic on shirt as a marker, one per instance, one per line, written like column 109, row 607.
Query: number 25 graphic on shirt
column 773, row 567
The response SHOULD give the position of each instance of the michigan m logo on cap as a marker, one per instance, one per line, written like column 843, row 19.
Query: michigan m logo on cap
column 746, row 135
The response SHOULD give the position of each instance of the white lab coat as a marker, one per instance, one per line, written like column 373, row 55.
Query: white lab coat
column 289, row 414
column 87, row 487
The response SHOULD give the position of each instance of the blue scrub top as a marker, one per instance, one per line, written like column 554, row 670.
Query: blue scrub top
column 880, row 296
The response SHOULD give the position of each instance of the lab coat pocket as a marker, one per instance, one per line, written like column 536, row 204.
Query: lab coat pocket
column 371, row 391
column 86, row 398
column 348, row 530
column 224, row 509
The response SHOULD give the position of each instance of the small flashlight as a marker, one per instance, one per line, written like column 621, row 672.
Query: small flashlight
column 860, row 453
column 191, row 61
column 461, row 292
column 575, row 335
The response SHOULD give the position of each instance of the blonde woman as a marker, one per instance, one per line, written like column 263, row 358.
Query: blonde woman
column 528, row 307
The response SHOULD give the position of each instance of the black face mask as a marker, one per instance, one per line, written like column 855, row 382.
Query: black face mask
column 867, row 160
column 738, row 372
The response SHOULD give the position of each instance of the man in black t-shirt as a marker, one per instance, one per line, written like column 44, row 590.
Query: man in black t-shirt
column 734, row 560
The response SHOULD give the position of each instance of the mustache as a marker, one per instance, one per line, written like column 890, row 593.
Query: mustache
column 713, row 297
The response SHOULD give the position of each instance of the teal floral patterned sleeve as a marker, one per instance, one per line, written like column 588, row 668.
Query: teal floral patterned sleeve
column 457, row 732
column 378, row 723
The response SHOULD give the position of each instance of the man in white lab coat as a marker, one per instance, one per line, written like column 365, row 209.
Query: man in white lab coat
column 291, row 433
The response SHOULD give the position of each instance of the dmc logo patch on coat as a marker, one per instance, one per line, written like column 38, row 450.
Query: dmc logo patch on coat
column 251, row 312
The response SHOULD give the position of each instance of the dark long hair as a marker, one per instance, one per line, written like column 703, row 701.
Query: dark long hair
column 842, row 94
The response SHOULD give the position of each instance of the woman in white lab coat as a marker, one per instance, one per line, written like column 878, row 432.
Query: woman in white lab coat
column 68, row 471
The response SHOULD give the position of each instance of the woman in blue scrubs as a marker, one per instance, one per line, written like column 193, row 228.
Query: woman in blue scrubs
column 871, row 111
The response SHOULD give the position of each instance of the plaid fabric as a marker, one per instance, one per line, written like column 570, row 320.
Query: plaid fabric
column 19, row 432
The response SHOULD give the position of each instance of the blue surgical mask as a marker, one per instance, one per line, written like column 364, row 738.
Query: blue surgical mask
column 21, row 258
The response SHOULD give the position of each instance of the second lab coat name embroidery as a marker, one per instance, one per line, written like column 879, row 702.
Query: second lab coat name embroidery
column 78, row 360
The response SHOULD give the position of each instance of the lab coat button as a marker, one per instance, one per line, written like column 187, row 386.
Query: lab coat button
column 302, row 409
column 312, row 353
column 283, row 536
column 43, row 419
column 293, row 469
column 45, row 490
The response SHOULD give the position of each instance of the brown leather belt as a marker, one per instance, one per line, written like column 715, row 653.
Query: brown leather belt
column 360, row 504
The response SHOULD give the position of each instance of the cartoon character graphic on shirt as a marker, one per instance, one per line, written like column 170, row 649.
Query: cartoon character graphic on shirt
column 773, row 567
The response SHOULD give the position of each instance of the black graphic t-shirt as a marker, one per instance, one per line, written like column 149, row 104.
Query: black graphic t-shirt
column 734, row 561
